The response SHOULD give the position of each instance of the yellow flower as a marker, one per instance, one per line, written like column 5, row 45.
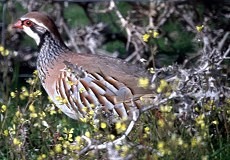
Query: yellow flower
column 12, row 130
column 12, row 94
column 36, row 93
column 155, row 34
column 69, row 134
column 4, row 52
column 111, row 136
column 33, row 115
column 71, row 83
column 195, row 141
column 66, row 144
column 180, row 141
column 42, row 115
column 58, row 148
column 16, row 142
column 52, row 110
column 125, row 148
column 120, row 127
column 166, row 108
column 160, row 145
column 78, row 139
column 91, row 112
column 18, row 114
column 163, row 86
column 103, row 125
column 41, row 157
column 84, row 119
column 51, row 153
column 200, row 120
column 147, row 130
column 2, row 48
column 61, row 100
column 199, row 28
column 35, row 73
column 81, row 90
column 146, row 37
column 6, row 132
column 87, row 134
column 32, row 108
column 25, row 91
column 161, row 123
column 143, row 82
column 3, row 108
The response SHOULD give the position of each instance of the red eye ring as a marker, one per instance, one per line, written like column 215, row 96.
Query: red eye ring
column 28, row 23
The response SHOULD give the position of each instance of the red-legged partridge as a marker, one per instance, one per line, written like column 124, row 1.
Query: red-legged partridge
column 82, row 80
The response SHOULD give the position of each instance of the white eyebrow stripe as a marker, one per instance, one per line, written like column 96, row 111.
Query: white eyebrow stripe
column 36, row 22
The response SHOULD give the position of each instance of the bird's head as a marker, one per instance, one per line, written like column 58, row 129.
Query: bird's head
column 36, row 25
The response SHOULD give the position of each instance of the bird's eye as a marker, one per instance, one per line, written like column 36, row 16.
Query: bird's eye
column 28, row 23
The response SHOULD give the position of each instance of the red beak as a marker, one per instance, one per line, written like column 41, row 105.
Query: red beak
column 18, row 25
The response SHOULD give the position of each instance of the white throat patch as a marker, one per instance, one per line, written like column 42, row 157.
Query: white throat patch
column 32, row 34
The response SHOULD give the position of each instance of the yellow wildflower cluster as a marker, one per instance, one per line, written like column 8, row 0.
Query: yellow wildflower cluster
column 165, row 108
column 25, row 93
column 178, row 141
column 111, row 137
column 209, row 105
column 34, row 80
column 19, row 117
column 146, row 132
column 196, row 140
column 89, row 117
column 164, row 87
column 33, row 113
column 61, row 100
column 68, row 134
column 42, row 157
column 71, row 83
column 163, row 149
column 143, row 82
column 51, row 109
column 68, row 144
column 123, row 149
column 200, row 121
column 150, row 34
column 120, row 127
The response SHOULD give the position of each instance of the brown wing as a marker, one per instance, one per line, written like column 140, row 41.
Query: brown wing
column 118, row 69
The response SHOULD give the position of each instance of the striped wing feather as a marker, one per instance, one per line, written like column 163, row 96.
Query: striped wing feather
column 83, row 81
column 92, row 89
